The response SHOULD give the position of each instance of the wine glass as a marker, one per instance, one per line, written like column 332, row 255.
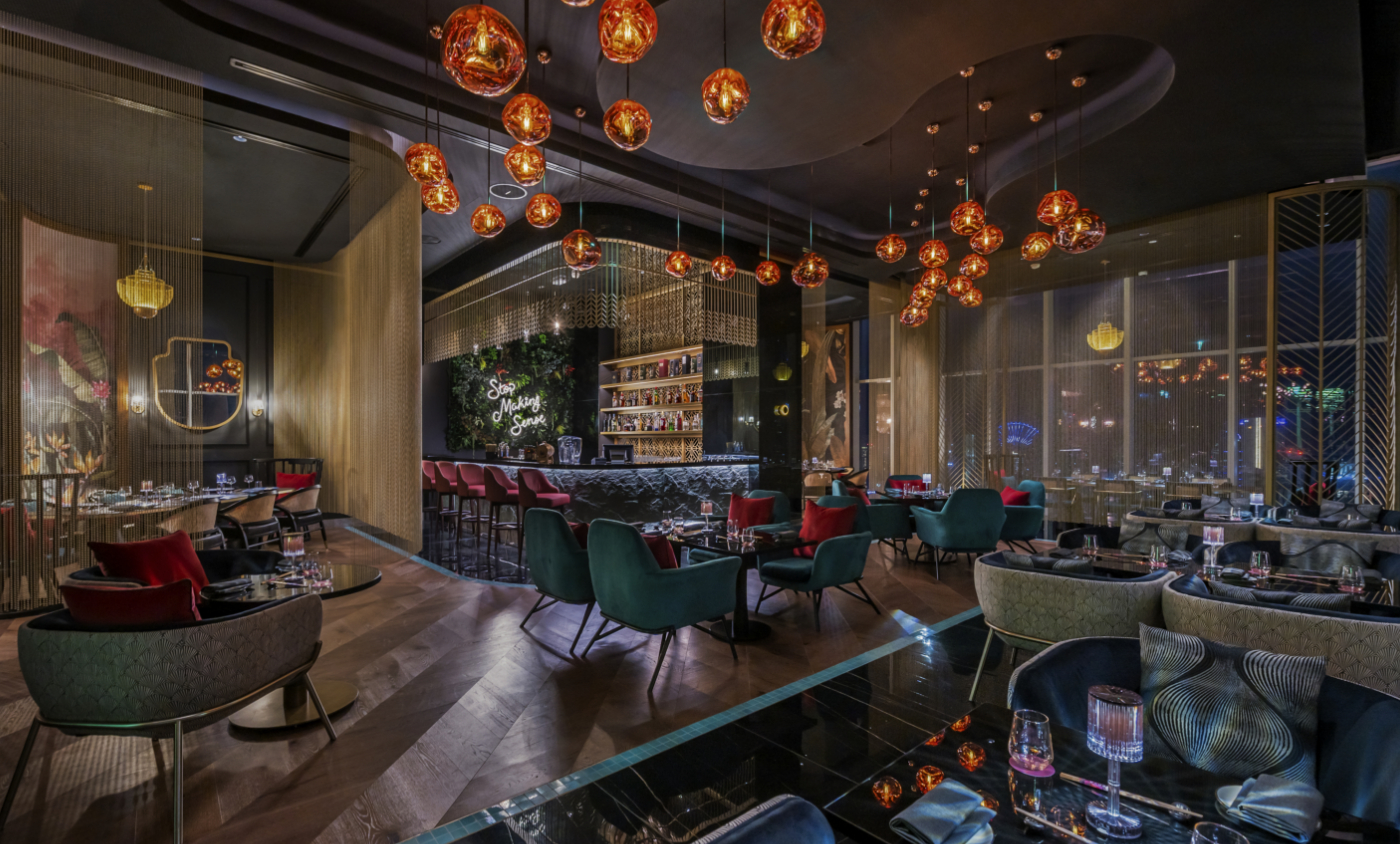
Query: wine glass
column 1091, row 545
column 1214, row 833
column 1157, row 557
column 193, row 487
column 732, row 529
column 1353, row 582
column 248, row 481
column 748, row 537
column 1031, row 748
column 1259, row 564
column 707, row 509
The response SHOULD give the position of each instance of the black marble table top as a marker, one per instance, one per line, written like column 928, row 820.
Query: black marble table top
column 980, row 738
column 345, row 579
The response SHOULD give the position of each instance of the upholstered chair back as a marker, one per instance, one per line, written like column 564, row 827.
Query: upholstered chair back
column 471, row 474
column 558, row 564
column 256, row 509
column 498, row 486
column 446, row 476
column 1036, row 489
column 429, row 475
column 840, row 560
column 302, row 500
column 782, row 511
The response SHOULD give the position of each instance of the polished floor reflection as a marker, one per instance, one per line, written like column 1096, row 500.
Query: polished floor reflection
column 818, row 743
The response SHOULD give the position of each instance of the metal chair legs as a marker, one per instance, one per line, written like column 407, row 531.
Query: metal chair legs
column 863, row 596
column 586, row 613
column 320, row 708
column 19, row 772
column 666, row 638
column 977, row 678
column 539, row 605
column 178, row 790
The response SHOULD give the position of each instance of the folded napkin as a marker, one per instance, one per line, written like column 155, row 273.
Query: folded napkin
column 227, row 587
column 1287, row 809
column 950, row 813
column 1179, row 557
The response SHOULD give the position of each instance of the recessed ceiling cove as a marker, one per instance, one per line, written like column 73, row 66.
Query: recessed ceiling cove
column 857, row 85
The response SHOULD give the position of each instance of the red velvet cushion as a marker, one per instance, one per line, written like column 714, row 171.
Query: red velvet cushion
column 1014, row 497
column 821, row 523
column 751, row 512
column 553, row 499
column 154, row 561
column 580, row 530
column 918, row 485
column 109, row 606
column 863, row 496
column 661, row 549
column 287, row 481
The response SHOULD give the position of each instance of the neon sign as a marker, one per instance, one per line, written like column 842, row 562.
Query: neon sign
column 514, row 408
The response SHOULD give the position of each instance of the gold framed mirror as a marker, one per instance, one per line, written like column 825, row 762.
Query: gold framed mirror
column 198, row 383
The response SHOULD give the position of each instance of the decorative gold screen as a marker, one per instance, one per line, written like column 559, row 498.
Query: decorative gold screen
column 83, row 127
column 629, row 290
column 347, row 355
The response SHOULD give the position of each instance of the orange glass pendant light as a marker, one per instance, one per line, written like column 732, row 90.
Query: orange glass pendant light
column 442, row 197
column 913, row 316
column 487, row 220
column 811, row 272
column 974, row 266
column 921, row 297
column 971, row 298
column 1036, row 246
column 626, row 29
column 723, row 268
column 793, row 28
column 677, row 264
column 425, row 163
column 958, row 286
column 1080, row 232
column 527, row 119
column 988, row 240
column 1055, row 207
column 543, row 211
column 725, row 94
column 482, row 51
column 525, row 164
column 627, row 124
column 890, row 248
column 933, row 254
column 581, row 250
column 934, row 279
column 768, row 273
column 968, row 218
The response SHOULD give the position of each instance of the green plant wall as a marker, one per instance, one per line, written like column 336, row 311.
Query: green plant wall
column 521, row 394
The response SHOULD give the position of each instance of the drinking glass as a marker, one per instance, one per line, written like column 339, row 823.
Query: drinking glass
column 248, row 481
column 1157, row 557
column 1214, row 833
column 1259, row 564
column 148, row 488
column 1115, row 733
column 1091, row 545
column 1352, row 581
column 193, row 487
column 732, row 529
column 1030, row 745
column 665, row 524
column 707, row 509
column 748, row 537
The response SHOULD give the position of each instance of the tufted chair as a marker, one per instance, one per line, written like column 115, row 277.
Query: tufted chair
column 161, row 683
column 1029, row 609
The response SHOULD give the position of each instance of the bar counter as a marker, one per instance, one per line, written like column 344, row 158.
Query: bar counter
column 641, row 492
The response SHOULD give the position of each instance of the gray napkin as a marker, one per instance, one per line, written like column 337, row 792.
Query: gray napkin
column 950, row 813
column 1287, row 809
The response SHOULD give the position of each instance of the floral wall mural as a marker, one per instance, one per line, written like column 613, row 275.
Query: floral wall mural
column 826, row 382
column 70, row 371
column 521, row 394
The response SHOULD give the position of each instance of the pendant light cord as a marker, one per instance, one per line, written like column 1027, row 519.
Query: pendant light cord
column 890, row 183
column 811, row 169
column 721, row 212
column 427, row 22
column 986, row 154
column 724, row 32
column 768, row 222
column 1079, row 154
column 488, row 153
column 579, row 129
column 933, row 166
column 1055, row 113
column 678, row 206
column 967, row 138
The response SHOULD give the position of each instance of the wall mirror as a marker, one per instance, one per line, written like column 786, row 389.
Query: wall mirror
column 198, row 383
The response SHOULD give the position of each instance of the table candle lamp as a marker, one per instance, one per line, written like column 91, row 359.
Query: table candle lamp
column 1115, row 733
column 1256, row 500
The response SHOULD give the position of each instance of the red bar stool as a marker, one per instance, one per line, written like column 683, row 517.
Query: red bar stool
column 448, row 506
column 536, row 491
column 501, row 491
column 429, row 484
column 471, row 488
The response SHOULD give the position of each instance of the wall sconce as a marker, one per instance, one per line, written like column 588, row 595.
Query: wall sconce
column 782, row 372
column 136, row 402
column 257, row 406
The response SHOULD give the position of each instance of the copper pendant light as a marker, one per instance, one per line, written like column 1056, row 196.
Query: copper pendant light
column 626, row 29
column 425, row 161
column 678, row 262
column 527, row 119
column 792, row 28
column 1036, row 246
column 1082, row 230
column 581, row 250
column 442, row 198
column 933, row 253
column 974, row 266
column 488, row 220
column 891, row 247
column 1056, row 206
column 934, row 279
column 767, row 272
column 723, row 267
column 627, row 123
column 525, row 164
column 971, row 299
column 922, row 296
column 913, row 316
column 988, row 240
column 543, row 211
column 968, row 217
column 724, row 93
column 959, row 285
column 812, row 271
column 482, row 51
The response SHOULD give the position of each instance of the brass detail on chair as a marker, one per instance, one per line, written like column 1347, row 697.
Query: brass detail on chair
column 198, row 383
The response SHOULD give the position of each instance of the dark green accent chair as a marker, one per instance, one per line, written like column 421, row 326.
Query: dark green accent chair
column 970, row 523
column 1023, row 522
column 888, row 523
column 862, row 523
column 782, row 510
column 837, row 562
column 633, row 592
column 558, row 564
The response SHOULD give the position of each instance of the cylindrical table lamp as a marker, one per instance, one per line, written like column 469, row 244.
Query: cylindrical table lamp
column 1115, row 733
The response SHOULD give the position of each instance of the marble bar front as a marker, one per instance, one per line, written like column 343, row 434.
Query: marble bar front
column 641, row 492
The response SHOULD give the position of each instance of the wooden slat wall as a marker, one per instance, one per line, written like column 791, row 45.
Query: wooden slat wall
column 348, row 355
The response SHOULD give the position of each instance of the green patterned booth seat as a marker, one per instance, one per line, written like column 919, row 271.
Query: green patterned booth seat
column 1363, row 649
column 1032, row 608
column 1144, row 528
column 1297, row 536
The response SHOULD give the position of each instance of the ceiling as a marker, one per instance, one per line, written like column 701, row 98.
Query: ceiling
column 1187, row 104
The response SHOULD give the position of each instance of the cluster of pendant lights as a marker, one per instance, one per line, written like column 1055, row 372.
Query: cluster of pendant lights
column 483, row 52
column 1074, row 229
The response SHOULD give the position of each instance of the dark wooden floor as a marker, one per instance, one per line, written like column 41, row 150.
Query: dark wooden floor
column 458, row 709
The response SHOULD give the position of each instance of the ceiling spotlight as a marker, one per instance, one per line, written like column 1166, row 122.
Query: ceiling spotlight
column 985, row 105
column 913, row 224
column 966, row 72
column 932, row 128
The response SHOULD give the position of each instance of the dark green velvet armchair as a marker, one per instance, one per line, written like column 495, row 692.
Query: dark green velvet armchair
column 558, row 564
column 1023, row 521
column 782, row 510
column 837, row 562
column 634, row 593
column 888, row 523
column 969, row 523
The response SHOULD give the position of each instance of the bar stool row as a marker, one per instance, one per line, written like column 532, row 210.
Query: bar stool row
column 462, row 489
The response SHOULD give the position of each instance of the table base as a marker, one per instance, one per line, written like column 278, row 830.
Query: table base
column 291, row 706
column 753, row 631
